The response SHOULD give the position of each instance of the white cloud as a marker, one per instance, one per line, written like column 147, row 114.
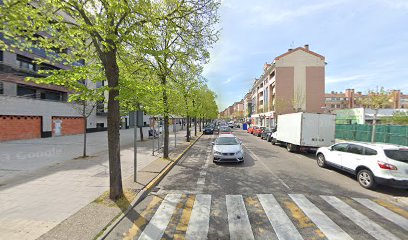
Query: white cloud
column 261, row 15
column 342, row 79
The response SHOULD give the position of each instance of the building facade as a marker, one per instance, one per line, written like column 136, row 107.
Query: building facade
column 294, row 81
column 350, row 99
column 31, row 110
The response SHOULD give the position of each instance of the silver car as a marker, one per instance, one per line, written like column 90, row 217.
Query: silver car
column 227, row 148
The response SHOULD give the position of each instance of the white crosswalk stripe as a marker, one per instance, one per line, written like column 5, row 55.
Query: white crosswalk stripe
column 282, row 225
column 200, row 218
column 160, row 220
column 387, row 214
column 369, row 226
column 326, row 225
column 238, row 221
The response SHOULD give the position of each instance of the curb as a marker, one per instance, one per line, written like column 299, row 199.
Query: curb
column 143, row 193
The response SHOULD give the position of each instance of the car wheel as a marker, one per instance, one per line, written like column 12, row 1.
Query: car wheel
column 273, row 141
column 321, row 160
column 366, row 179
column 290, row 147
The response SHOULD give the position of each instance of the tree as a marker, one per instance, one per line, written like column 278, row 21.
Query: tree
column 85, row 108
column 184, row 40
column 98, row 32
column 398, row 118
column 375, row 100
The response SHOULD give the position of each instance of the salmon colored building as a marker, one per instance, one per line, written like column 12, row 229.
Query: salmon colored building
column 293, row 82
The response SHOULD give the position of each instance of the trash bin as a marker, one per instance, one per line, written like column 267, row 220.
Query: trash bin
column 244, row 126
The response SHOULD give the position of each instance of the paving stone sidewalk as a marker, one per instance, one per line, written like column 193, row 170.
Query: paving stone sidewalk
column 60, row 197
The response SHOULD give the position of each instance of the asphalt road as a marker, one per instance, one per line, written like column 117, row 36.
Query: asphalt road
column 274, row 194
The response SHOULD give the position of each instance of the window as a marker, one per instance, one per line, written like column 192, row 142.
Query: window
column 45, row 66
column 24, row 91
column 398, row 155
column 55, row 96
column 1, row 88
column 1, row 56
column 25, row 63
column 369, row 151
column 341, row 147
column 333, row 106
column 356, row 149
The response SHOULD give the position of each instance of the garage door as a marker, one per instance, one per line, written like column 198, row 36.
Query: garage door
column 19, row 127
column 67, row 126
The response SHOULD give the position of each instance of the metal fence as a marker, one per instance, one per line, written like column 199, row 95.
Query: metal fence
column 383, row 133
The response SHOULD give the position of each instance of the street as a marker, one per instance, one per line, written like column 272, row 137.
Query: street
column 274, row 194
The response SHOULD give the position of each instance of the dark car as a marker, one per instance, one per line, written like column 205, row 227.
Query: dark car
column 266, row 134
column 208, row 130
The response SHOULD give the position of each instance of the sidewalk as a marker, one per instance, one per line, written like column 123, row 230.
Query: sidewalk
column 43, row 198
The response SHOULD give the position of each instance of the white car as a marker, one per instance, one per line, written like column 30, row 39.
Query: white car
column 371, row 163
column 227, row 148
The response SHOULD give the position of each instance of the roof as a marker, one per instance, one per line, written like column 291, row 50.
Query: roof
column 299, row 49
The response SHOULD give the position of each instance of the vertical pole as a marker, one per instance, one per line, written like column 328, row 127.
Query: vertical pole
column 175, row 133
column 158, row 137
column 152, row 128
column 135, row 148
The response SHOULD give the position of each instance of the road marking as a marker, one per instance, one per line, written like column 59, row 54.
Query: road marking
column 238, row 221
column 185, row 218
column 200, row 218
column 390, row 215
column 160, row 220
column 141, row 220
column 322, row 221
column 269, row 170
column 281, row 223
column 362, row 221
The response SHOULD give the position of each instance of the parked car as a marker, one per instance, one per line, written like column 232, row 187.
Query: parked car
column 372, row 164
column 227, row 148
column 208, row 130
column 266, row 133
column 237, row 125
column 250, row 129
column 231, row 124
column 259, row 131
column 253, row 128
column 224, row 130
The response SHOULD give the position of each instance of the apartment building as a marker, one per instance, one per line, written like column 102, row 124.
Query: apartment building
column 294, row 81
column 350, row 99
column 30, row 110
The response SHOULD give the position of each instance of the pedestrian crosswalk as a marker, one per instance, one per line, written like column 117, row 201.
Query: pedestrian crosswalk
column 289, row 217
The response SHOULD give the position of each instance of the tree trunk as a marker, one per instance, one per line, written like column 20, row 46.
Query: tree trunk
column 188, row 129
column 200, row 125
column 85, row 123
column 141, row 133
column 195, row 126
column 115, row 173
column 373, row 127
column 166, row 120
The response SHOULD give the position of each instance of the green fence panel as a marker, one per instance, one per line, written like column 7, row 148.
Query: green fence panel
column 384, row 133
column 363, row 133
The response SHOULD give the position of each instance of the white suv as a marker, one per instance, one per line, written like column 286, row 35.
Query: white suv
column 371, row 163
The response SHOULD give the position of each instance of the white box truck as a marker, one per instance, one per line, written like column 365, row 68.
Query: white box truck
column 305, row 130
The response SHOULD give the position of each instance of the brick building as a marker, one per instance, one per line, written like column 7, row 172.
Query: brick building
column 350, row 99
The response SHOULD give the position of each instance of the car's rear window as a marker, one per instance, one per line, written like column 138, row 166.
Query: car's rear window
column 225, row 130
column 399, row 155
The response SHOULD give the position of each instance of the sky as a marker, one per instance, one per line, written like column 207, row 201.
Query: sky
column 365, row 43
